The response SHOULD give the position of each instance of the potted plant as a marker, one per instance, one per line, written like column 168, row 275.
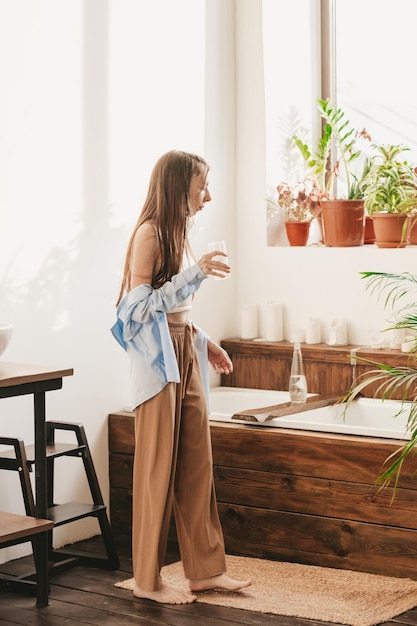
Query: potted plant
column 391, row 196
column 343, row 217
column 299, row 205
column 394, row 380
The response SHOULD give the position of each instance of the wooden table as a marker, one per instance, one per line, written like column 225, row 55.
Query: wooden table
column 17, row 379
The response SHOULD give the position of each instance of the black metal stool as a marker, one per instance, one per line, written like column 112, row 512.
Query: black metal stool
column 70, row 511
column 16, row 460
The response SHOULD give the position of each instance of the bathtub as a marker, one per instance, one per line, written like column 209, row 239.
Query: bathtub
column 365, row 416
column 225, row 401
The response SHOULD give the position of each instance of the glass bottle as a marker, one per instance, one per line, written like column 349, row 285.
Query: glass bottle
column 298, row 382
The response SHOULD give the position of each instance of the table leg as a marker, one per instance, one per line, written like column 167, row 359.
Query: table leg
column 41, row 500
column 42, row 571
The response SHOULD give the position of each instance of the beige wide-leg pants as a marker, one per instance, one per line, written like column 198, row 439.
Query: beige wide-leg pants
column 173, row 468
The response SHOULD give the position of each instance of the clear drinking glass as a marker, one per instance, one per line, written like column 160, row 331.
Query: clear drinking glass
column 221, row 247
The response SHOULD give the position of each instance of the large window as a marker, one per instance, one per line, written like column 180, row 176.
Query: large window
column 375, row 68
column 367, row 67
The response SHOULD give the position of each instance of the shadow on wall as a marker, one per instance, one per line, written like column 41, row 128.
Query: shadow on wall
column 68, row 296
column 62, row 302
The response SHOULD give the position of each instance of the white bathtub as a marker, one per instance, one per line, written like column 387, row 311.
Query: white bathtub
column 365, row 416
column 225, row 401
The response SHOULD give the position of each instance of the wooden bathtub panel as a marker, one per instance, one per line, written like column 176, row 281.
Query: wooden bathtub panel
column 265, row 449
column 289, row 495
column 121, row 510
column 122, row 432
column 121, row 470
column 307, row 454
column 336, row 499
column 320, row 541
column 121, row 449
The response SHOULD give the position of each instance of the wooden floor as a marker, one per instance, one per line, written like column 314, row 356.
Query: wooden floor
column 86, row 595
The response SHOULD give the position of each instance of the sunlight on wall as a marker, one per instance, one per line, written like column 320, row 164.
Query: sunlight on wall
column 291, row 78
column 156, row 92
column 155, row 102
column 40, row 151
column 93, row 91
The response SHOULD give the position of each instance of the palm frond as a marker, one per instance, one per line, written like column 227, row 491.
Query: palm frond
column 393, row 381
column 398, row 285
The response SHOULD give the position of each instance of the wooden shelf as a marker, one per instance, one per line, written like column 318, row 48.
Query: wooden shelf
column 267, row 364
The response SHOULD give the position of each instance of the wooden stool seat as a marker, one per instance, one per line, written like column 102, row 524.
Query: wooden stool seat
column 16, row 529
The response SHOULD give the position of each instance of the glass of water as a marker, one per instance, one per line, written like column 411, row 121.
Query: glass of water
column 221, row 247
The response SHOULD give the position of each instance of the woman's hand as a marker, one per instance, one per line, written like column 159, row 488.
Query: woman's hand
column 212, row 267
column 219, row 359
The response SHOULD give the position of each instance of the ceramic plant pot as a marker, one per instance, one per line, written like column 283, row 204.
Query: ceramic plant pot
column 343, row 222
column 297, row 233
column 369, row 230
column 412, row 239
column 391, row 230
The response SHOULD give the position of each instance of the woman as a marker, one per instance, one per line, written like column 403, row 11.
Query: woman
column 168, row 353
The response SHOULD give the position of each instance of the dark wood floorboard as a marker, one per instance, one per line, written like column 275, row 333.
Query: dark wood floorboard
column 86, row 595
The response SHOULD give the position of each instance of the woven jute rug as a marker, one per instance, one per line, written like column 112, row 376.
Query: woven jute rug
column 307, row 591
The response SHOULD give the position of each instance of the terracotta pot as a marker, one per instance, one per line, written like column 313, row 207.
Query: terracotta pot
column 298, row 233
column 412, row 239
column 389, row 230
column 369, row 230
column 343, row 222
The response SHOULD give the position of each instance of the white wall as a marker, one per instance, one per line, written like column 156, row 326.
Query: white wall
column 83, row 117
column 82, row 120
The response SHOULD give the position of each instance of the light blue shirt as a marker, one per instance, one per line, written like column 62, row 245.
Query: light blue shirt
column 142, row 330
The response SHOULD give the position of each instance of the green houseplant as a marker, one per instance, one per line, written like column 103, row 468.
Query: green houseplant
column 391, row 195
column 337, row 150
column 390, row 380
column 326, row 165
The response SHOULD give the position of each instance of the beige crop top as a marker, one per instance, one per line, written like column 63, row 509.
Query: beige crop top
column 185, row 305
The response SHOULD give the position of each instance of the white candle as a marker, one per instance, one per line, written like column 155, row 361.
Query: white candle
column 397, row 337
column 338, row 332
column 248, row 321
column 313, row 334
column 273, row 322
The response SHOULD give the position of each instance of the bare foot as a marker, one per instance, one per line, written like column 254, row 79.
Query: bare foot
column 165, row 595
column 218, row 582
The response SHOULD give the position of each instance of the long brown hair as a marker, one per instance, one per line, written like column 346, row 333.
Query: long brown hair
column 166, row 206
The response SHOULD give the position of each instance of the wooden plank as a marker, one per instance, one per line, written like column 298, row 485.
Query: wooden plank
column 22, row 373
column 323, row 455
column 121, row 510
column 286, row 408
column 15, row 527
column 315, row 496
column 317, row 540
column 121, row 470
column 284, row 492
column 121, row 432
